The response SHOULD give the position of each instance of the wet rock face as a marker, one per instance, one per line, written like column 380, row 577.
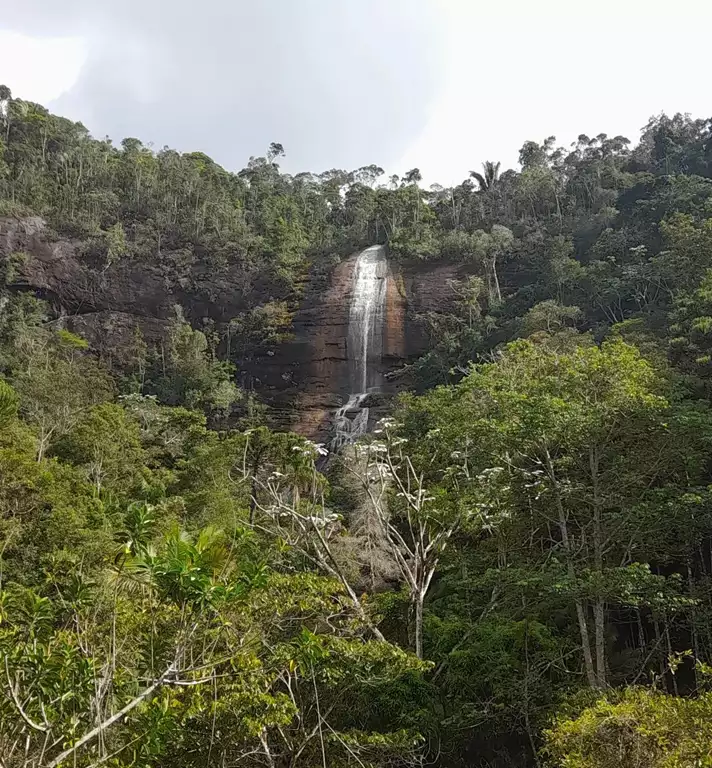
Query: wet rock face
column 429, row 289
column 306, row 378
column 395, row 347
column 323, row 377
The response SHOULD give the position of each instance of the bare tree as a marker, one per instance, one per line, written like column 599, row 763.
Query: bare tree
column 415, row 524
column 300, row 518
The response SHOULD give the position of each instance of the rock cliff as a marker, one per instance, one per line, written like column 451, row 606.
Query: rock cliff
column 308, row 378
column 303, row 380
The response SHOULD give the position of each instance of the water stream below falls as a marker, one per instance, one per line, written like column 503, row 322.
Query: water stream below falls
column 364, row 343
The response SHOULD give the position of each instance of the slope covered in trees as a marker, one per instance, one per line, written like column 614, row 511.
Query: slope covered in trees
column 514, row 569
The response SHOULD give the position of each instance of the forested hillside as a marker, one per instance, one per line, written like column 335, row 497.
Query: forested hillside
column 513, row 569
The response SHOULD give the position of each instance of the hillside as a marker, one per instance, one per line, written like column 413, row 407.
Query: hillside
column 511, row 567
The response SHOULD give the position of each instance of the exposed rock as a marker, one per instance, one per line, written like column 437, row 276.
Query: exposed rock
column 304, row 381
column 53, row 270
column 76, row 284
column 321, row 328
column 429, row 289
column 394, row 342
column 324, row 368
column 114, row 334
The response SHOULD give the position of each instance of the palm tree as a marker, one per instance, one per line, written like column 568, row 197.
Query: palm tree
column 179, row 568
column 490, row 177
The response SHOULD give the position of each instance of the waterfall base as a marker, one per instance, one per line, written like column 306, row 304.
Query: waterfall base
column 350, row 421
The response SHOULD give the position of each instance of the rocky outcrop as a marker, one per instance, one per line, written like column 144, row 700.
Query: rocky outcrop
column 54, row 270
column 395, row 346
column 429, row 289
column 305, row 377
column 322, row 329
column 322, row 377
column 104, row 306
column 304, row 381
column 76, row 282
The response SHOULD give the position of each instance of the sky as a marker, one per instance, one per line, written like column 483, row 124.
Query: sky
column 441, row 85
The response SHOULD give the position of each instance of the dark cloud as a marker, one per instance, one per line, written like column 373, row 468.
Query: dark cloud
column 340, row 83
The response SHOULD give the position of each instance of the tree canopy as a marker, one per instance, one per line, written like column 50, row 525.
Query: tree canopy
column 513, row 568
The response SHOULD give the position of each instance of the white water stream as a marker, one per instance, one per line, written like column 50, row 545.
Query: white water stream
column 364, row 343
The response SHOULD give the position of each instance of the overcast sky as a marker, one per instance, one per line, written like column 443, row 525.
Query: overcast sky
column 437, row 84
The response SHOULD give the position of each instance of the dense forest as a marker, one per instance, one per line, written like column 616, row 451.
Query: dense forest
column 513, row 569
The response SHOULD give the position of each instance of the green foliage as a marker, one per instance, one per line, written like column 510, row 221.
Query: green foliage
column 47, row 509
column 639, row 727
column 221, row 642
column 555, row 448
column 57, row 383
column 106, row 444
column 537, row 530
column 550, row 317
column 187, row 373
column 8, row 402
column 260, row 330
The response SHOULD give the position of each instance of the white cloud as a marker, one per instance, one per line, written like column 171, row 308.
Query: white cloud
column 339, row 84
column 39, row 69
column 438, row 84
column 518, row 70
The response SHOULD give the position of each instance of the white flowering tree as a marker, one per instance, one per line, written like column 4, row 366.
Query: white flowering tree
column 288, row 502
column 416, row 510
column 416, row 505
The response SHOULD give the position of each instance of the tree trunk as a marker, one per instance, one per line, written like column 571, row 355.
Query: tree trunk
column 585, row 641
column 599, row 605
column 600, row 626
column 42, row 445
column 418, row 628
column 495, row 277
column 661, row 661
column 580, row 608
column 118, row 717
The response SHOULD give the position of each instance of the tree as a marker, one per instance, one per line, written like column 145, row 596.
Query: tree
column 414, row 519
column 275, row 150
column 413, row 176
column 489, row 178
column 573, row 433
column 105, row 442
column 551, row 317
column 187, row 373
column 641, row 727
column 77, row 689
column 58, row 384
column 116, row 246
column 368, row 174
column 489, row 249
column 8, row 402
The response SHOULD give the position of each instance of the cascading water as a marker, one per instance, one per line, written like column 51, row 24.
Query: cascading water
column 364, row 343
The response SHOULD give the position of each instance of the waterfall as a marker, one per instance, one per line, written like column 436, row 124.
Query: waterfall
column 364, row 343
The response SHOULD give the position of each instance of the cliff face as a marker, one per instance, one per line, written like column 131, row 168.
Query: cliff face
column 317, row 361
column 322, row 328
column 304, row 380
column 102, row 301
